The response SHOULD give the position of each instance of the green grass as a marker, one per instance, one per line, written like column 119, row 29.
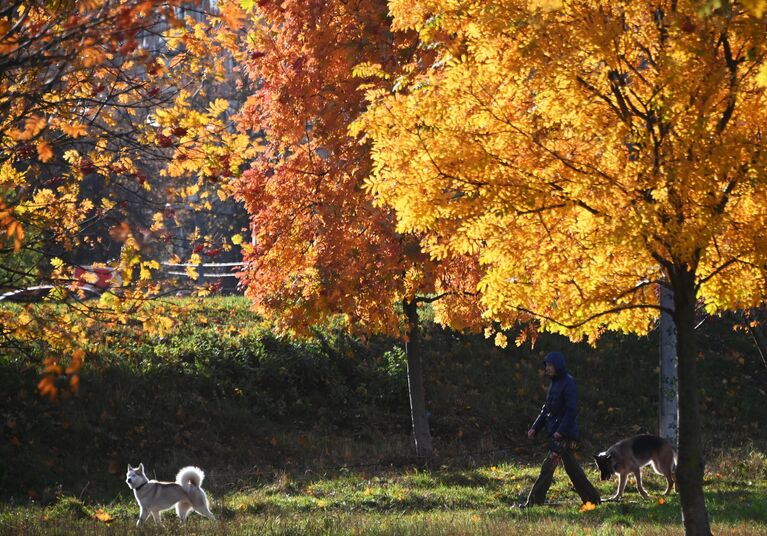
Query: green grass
column 446, row 501
column 313, row 437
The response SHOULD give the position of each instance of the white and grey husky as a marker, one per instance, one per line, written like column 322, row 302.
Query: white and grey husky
column 153, row 497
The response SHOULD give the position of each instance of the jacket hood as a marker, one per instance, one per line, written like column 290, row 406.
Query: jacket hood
column 557, row 359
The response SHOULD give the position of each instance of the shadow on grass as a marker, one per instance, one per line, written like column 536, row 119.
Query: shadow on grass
column 724, row 507
column 467, row 479
column 737, row 505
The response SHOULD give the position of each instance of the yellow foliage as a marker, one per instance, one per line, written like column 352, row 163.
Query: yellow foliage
column 761, row 77
column 72, row 156
column 106, row 95
column 501, row 340
column 218, row 107
column 158, row 221
column 757, row 8
column 546, row 5
column 579, row 156
column 91, row 56
column 90, row 277
column 10, row 177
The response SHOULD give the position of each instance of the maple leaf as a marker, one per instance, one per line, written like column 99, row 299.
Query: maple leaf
column 74, row 130
column 47, row 387
column 44, row 151
column 103, row 516
column 233, row 15
column 76, row 361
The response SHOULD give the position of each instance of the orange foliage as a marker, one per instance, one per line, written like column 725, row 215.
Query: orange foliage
column 322, row 247
column 87, row 99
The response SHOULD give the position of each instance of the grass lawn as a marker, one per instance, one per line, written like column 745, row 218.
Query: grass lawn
column 273, row 421
column 444, row 501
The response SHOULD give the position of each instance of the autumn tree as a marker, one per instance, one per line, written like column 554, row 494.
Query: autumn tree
column 104, row 114
column 322, row 248
column 588, row 152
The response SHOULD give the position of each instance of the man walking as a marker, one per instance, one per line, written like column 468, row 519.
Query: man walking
column 558, row 415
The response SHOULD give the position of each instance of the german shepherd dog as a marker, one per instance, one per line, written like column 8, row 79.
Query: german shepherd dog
column 631, row 454
column 186, row 494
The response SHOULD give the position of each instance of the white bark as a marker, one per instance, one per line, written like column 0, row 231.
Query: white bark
column 668, row 423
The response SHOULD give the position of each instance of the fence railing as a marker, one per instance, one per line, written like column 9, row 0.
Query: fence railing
column 204, row 269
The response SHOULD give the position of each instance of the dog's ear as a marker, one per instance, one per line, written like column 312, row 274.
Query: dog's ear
column 141, row 468
column 130, row 468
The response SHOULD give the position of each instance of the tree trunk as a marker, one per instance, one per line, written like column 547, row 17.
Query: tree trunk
column 421, row 433
column 668, row 407
column 757, row 333
column 691, row 463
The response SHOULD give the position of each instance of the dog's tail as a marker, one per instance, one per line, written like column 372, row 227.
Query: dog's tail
column 190, row 476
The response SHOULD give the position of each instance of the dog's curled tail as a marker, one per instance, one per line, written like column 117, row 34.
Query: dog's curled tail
column 190, row 476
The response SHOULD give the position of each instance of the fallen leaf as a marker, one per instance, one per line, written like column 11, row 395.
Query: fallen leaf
column 103, row 516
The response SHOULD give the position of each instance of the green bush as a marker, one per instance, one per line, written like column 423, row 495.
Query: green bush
column 68, row 508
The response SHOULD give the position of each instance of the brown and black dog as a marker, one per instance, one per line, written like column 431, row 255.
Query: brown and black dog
column 631, row 454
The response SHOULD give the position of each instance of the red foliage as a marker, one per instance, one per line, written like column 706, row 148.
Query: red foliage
column 164, row 141
column 55, row 181
column 86, row 165
column 323, row 247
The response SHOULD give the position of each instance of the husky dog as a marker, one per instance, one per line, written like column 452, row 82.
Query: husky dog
column 630, row 455
column 153, row 497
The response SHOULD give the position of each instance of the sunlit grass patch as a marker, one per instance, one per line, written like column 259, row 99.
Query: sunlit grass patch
column 442, row 501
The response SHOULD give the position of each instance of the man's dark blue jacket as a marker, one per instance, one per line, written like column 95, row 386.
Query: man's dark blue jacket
column 559, row 412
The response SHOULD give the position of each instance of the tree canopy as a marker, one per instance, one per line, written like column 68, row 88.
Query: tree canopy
column 110, row 112
column 581, row 151
column 587, row 152
column 322, row 247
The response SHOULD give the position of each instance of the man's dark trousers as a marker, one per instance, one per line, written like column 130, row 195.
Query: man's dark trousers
column 582, row 485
